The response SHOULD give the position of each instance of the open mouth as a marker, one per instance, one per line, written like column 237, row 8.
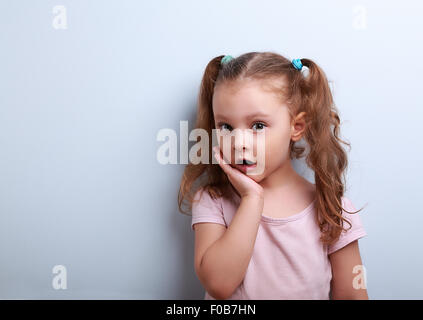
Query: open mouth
column 246, row 165
column 247, row 162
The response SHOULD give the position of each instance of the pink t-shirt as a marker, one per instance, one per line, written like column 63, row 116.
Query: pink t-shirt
column 288, row 260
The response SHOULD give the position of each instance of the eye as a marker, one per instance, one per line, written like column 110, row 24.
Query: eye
column 222, row 127
column 260, row 125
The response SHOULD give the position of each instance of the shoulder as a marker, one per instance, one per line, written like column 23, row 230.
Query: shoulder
column 206, row 208
column 346, row 202
column 348, row 208
column 205, row 200
column 352, row 215
column 349, row 233
column 204, row 197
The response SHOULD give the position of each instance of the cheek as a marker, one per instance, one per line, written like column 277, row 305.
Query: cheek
column 277, row 144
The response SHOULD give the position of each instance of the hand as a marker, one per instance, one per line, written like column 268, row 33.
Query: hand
column 241, row 182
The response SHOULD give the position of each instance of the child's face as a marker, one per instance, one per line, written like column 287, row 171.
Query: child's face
column 235, row 107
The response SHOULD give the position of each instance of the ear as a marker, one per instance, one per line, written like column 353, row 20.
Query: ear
column 298, row 126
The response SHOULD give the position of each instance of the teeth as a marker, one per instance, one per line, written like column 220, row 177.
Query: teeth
column 248, row 162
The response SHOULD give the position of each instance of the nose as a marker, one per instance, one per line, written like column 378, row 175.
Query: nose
column 243, row 139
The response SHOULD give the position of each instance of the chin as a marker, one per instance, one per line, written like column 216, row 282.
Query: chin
column 257, row 177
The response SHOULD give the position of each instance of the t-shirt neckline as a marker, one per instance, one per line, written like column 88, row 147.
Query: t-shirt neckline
column 293, row 217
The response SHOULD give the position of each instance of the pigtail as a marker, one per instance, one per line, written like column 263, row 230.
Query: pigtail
column 326, row 156
column 204, row 121
column 205, row 94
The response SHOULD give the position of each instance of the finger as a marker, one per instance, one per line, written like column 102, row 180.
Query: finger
column 217, row 149
column 221, row 162
column 218, row 158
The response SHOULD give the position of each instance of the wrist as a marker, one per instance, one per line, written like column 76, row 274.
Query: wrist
column 253, row 197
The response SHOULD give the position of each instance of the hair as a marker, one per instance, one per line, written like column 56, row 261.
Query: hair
column 311, row 94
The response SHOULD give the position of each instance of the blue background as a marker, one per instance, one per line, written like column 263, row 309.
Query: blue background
column 80, row 109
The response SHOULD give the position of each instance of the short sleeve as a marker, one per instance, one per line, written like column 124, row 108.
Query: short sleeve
column 355, row 232
column 207, row 209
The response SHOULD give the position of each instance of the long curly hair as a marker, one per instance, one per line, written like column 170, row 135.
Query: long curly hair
column 311, row 94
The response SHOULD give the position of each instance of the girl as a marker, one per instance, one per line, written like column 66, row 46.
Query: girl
column 272, row 234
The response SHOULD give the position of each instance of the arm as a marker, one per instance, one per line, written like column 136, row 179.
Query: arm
column 343, row 281
column 222, row 254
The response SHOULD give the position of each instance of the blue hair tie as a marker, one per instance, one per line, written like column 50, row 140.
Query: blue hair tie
column 297, row 64
column 226, row 59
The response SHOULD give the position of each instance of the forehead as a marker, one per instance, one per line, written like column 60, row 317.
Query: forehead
column 243, row 98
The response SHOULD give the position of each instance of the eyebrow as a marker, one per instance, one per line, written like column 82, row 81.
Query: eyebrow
column 253, row 115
